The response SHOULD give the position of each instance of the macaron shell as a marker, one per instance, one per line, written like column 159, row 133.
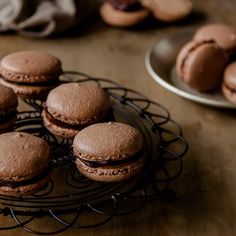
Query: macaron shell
column 229, row 82
column 171, row 10
column 229, row 94
column 230, row 75
column 107, row 141
column 201, row 65
column 201, row 72
column 30, row 67
column 182, row 55
column 110, row 174
column 8, row 100
column 57, row 130
column 22, row 156
column 121, row 18
column 25, row 190
column 224, row 35
column 28, row 91
column 78, row 104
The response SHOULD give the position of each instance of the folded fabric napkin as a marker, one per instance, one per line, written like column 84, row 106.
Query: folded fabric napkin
column 41, row 18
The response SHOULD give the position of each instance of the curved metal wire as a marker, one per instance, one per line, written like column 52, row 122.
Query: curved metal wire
column 29, row 230
column 79, row 195
column 10, row 211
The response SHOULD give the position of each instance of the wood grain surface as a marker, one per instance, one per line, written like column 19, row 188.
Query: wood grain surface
column 206, row 191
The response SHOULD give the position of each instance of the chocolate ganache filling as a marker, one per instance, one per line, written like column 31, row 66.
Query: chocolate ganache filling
column 126, row 5
column 232, row 90
column 15, row 184
column 5, row 118
column 95, row 164
column 54, row 82
column 108, row 117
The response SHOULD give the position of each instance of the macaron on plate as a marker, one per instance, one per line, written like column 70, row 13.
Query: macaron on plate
column 160, row 63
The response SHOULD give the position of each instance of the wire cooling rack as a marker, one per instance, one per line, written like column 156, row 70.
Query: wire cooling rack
column 71, row 197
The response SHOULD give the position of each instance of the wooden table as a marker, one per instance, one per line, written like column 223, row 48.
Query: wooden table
column 206, row 199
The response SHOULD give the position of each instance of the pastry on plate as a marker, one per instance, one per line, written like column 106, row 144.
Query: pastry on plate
column 201, row 64
column 123, row 13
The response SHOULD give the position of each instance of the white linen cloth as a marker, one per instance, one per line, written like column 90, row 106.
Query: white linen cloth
column 41, row 18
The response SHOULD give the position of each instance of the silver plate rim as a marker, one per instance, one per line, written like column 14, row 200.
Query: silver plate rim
column 180, row 92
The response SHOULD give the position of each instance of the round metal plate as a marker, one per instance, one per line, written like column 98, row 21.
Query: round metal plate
column 160, row 63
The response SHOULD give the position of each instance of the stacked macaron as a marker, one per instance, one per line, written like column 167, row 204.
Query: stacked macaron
column 31, row 74
column 125, row 13
column 8, row 108
column 201, row 64
column 24, row 158
column 24, row 164
column 205, row 63
column 109, row 152
column 224, row 35
column 72, row 106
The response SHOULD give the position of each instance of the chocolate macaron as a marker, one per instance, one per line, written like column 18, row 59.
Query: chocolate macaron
column 109, row 152
column 201, row 64
column 123, row 13
column 229, row 82
column 73, row 106
column 8, row 106
column 224, row 35
column 168, row 11
column 31, row 74
column 24, row 164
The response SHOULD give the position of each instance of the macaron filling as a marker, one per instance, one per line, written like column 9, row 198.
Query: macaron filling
column 232, row 90
column 108, row 117
column 7, row 117
column 126, row 5
column 109, row 152
column 54, row 82
column 14, row 77
column 95, row 164
column 61, row 123
column 35, row 179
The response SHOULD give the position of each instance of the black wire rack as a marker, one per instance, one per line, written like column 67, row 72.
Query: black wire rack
column 71, row 197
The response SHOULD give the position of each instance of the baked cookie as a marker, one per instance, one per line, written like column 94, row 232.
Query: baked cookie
column 201, row 64
column 72, row 106
column 109, row 152
column 31, row 74
column 224, row 35
column 24, row 164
